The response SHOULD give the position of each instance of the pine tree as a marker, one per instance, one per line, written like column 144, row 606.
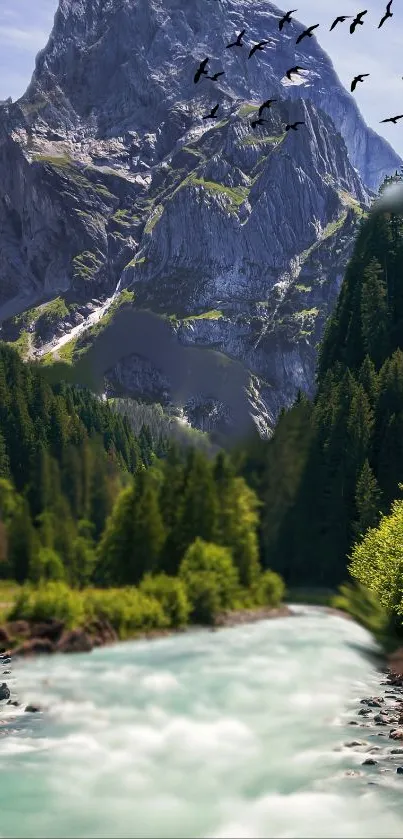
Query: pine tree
column 368, row 501
column 375, row 323
column 21, row 542
column 148, row 530
column 199, row 508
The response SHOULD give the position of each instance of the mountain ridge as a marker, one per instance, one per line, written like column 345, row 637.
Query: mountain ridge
column 111, row 180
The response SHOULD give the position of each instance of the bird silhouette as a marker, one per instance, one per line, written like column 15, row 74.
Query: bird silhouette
column 260, row 46
column 213, row 113
column 238, row 42
column 393, row 119
column 357, row 79
column 387, row 14
column 339, row 19
column 266, row 104
column 215, row 77
column 293, row 125
column 293, row 70
column 307, row 33
column 259, row 121
column 357, row 21
column 201, row 70
column 286, row 18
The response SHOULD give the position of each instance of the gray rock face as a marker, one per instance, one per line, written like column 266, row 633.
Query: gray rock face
column 109, row 177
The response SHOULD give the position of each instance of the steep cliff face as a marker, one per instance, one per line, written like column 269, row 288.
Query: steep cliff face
column 110, row 178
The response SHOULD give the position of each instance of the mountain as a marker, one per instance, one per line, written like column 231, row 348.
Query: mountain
column 110, row 180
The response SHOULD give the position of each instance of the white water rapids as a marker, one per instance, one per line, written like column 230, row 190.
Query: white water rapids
column 235, row 733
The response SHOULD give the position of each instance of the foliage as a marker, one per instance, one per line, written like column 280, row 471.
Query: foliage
column 171, row 594
column 216, row 562
column 333, row 466
column 377, row 560
column 269, row 589
column 363, row 605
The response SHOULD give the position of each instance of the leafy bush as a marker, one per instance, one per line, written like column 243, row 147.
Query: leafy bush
column 204, row 596
column 377, row 561
column 49, row 600
column 171, row 594
column 270, row 589
column 364, row 606
column 127, row 609
column 215, row 561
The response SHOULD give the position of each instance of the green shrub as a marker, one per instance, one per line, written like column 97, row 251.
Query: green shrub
column 364, row 606
column 49, row 600
column 204, row 596
column 127, row 609
column 206, row 557
column 270, row 589
column 171, row 594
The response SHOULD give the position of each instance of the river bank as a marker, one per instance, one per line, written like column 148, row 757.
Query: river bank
column 25, row 638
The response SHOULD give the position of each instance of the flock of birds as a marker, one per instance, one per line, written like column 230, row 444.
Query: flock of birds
column 307, row 33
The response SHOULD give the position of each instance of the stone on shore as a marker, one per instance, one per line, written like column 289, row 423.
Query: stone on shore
column 35, row 646
column 4, row 691
column 75, row 641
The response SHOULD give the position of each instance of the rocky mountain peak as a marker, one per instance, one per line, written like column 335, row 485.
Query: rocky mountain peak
column 110, row 179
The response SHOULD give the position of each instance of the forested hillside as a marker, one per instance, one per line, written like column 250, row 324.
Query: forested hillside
column 171, row 532
column 334, row 465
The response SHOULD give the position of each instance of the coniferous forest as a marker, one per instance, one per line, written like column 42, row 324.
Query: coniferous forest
column 333, row 467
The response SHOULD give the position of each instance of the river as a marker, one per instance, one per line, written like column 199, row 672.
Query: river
column 235, row 733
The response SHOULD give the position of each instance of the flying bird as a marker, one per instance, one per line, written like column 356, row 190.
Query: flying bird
column 259, row 121
column 307, row 33
column 238, row 42
column 201, row 70
column 286, row 18
column 357, row 21
column 339, row 19
column 259, row 46
column 393, row 119
column 293, row 125
column 213, row 113
column 266, row 104
column 387, row 14
column 215, row 77
column 293, row 70
column 357, row 79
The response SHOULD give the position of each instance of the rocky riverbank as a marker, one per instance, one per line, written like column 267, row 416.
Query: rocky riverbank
column 24, row 638
column 379, row 723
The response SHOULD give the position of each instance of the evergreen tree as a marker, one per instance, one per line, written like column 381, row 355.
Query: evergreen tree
column 375, row 321
column 368, row 499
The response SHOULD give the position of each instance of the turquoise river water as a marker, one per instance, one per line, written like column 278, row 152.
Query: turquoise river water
column 235, row 733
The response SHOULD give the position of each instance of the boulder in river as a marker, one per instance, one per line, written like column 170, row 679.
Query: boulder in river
column 396, row 734
column 4, row 691
column 373, row 702
column 33, row 709
column 369, row 762
column 399, row 770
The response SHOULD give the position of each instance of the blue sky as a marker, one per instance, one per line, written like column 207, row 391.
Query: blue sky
column 26, row 24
